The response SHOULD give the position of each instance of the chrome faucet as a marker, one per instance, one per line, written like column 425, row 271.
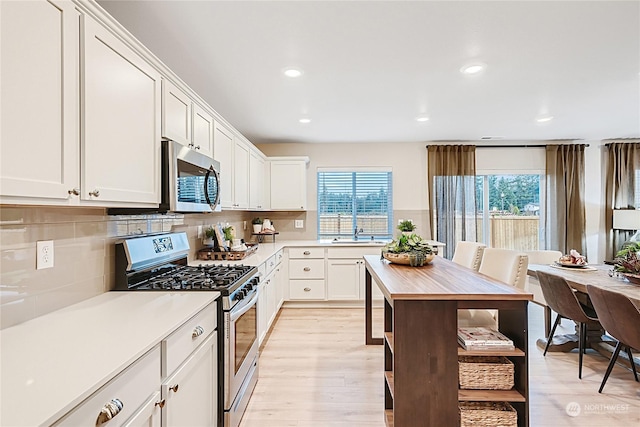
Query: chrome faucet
column 356, row 232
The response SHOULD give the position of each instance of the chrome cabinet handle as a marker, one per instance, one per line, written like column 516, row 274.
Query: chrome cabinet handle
column 307, row 289
column 95, row 193
column 307, row 269
column 174, row 388
column 74, row 192
column 197, row 331
column 197, row 147
column 306, row 253
column 161, row 403
column 109, row 410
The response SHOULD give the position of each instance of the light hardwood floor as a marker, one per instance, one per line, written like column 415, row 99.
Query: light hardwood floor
column 315, row 371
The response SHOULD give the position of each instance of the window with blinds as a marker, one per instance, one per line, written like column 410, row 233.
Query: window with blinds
column 355, row 199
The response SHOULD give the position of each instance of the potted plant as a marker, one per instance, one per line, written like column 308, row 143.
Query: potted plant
column 406, row 226
column 627, row 262
column 408, row 249
column 257, row 225
column 210, row 234
column 228, row 235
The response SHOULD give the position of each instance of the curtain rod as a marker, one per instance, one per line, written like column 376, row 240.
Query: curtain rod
column 511, row 146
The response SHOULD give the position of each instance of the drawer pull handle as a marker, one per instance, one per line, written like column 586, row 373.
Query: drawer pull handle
column 307, row 289
column 174, row 388
column 307, row 269
column 109, row 410
column 197, row 331
column 307, row 253
column 95, row 193
column 161, row 403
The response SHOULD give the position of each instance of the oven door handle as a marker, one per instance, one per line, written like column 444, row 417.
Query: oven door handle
column 235, row 315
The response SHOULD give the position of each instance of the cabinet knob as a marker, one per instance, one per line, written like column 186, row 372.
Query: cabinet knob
column 197, row 331
column 161, row 403
column 307, row 289
column 74, row 192
column 197, row 147
column 307, row 269
column 95, row 193
column 109, row 410
column 306, row 253
column 174, row 388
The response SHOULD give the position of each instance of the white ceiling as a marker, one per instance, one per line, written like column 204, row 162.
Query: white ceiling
column 371, row 67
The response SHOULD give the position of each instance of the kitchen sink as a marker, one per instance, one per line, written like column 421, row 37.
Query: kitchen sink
column 359, row 242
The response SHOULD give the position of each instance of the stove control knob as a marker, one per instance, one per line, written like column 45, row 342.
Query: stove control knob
column 240, row 295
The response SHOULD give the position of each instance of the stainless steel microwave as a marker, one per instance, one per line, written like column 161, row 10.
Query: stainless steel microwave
column 190, row 180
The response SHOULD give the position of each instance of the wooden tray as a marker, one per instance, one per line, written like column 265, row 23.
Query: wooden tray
column 208, row 254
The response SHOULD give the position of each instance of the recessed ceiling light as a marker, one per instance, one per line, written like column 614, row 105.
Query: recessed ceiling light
column 422, row 118
column 473, row 68
column 544, row 119
column 292, row 72
column 305, row 120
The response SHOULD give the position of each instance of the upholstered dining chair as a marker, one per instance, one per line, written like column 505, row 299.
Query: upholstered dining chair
column 532, row 286
column 562, row 299
column 505, row 265
column 468, row 254
column 621, row 319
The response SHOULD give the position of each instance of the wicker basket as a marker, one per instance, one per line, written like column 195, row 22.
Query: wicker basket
column 209, row 254
column 489, row 414
column 485, row 372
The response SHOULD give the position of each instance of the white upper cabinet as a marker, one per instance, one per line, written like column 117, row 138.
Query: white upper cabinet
column 256, row 180
column 184, row 121
column 176, row 114
column 240, row 174
column 223, row 152
column 39, row 103
column 121, row 121
column 202, row 135
column 288, row 183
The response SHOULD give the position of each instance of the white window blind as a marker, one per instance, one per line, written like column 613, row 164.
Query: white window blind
column 350, row 200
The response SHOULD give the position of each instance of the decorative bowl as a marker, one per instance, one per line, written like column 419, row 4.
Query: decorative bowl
column 405, row 258
column 632, row 278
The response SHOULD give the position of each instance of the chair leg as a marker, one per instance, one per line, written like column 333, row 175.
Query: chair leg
column 633, row 363
column 612, row 362
column 550, row 337
column 581, row 340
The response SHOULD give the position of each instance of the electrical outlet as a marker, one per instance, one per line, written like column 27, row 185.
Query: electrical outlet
column 199, row 232
column 244, row 225
column 44, row 254
column 299, row 223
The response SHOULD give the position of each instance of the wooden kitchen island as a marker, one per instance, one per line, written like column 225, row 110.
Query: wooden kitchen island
column 420, row 339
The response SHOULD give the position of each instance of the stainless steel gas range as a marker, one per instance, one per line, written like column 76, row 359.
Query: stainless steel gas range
column 159, row 263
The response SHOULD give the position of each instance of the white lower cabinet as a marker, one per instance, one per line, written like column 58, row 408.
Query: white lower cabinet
column 190, row 394
column 148, row 415
column 271, row 294
column 131, row 389
column 173, row 384
column 346, row 273
column 343, row 279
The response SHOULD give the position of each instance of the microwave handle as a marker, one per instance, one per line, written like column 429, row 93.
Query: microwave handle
column 207, row 177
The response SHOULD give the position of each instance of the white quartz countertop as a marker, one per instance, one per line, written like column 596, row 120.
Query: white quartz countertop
column 268, row 249
column 53, row 362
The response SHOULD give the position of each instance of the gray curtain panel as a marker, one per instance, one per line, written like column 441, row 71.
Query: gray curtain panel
column 623, row 160
column 565, row 219
column 451, row 181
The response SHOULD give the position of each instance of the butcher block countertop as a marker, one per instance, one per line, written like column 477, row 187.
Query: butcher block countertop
column 441, row 279
column 52, row 363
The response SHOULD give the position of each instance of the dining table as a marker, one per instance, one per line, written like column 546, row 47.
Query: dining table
column 600, row 275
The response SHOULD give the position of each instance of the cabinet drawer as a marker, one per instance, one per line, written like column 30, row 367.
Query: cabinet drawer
column 270, row 264
column 279, row 256
column 306, row 268
column 180, row 344
column 132, row 387
column 306, row 289
column 306, row 253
